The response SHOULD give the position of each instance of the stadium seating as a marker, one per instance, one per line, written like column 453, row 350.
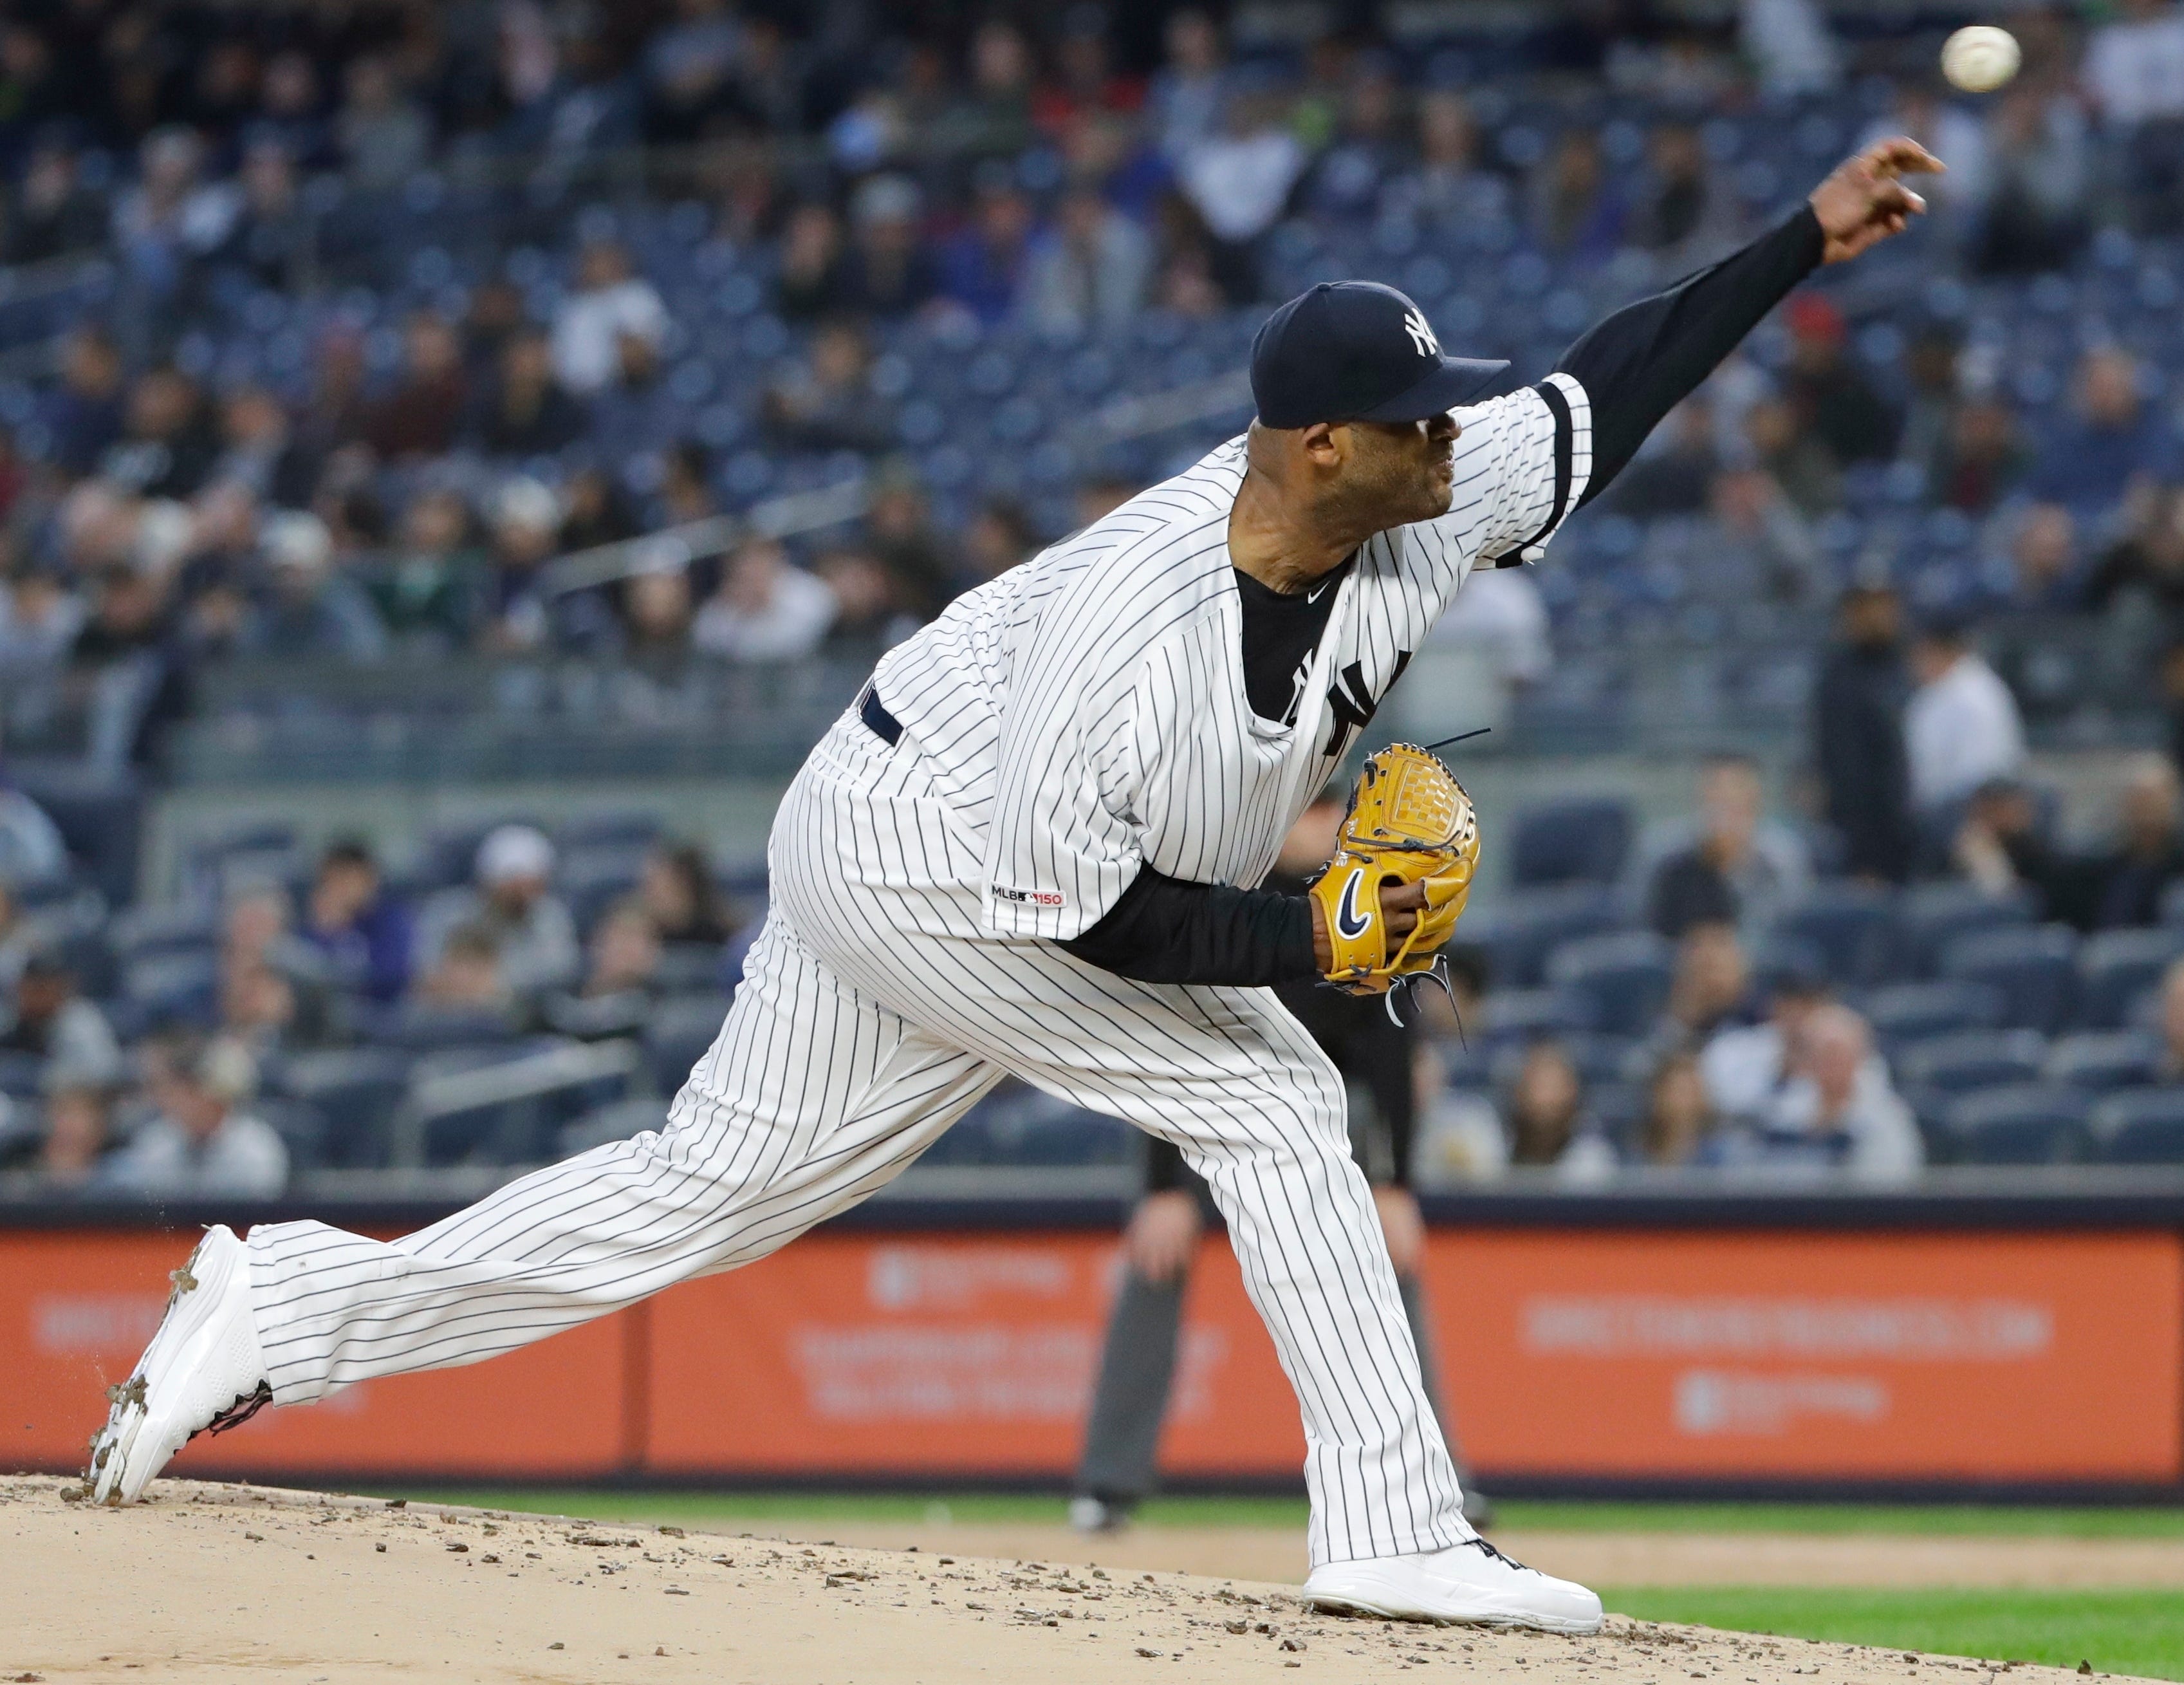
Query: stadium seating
column 2023, row 1123
column 677, row 1033
column 2146, row 1127
column 2101, row 1061
column 2035, row 969
column 1975, row 1059
column 2116, row 968
column 1852, row 926
column 355, row 1090
column 1623, row 976
column 1901, row 1013
column 1932, row 916
column 1583, row 840
column 1520, row 929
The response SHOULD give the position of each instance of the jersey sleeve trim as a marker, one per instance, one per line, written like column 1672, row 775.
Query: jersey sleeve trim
column 1567, row 402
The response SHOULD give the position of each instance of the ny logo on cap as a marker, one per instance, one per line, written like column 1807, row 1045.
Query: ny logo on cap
column 1422, row 335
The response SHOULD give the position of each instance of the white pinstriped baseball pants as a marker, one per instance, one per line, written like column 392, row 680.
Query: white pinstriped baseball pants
column 873, row 1013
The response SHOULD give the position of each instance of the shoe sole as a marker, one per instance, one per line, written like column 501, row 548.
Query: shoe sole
column 1343, row 1603
column 111, row 1448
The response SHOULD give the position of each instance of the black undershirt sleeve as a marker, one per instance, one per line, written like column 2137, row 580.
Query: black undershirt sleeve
column 1165, row 931
column 1639, row 363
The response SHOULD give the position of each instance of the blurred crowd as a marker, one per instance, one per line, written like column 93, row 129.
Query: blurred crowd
column 731, row 245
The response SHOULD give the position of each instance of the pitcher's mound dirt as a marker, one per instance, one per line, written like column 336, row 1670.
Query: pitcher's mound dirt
column 209, row 1582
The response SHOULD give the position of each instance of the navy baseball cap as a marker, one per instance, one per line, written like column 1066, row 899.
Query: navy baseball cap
column 1357, row 351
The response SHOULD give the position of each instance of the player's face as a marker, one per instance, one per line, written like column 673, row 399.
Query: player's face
column 1402, row 472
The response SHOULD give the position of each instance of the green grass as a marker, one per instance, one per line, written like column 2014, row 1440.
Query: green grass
column 2119, row 1632
column 721, row 1507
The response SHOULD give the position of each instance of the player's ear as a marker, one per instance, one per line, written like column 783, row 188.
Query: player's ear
column 1320, row 446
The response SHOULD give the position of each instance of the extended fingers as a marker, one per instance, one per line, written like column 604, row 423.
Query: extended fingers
column 1899, row 154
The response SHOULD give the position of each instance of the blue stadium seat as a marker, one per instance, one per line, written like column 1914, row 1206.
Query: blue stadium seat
column 1514, row 1017
column 2036, row 970
column 1624, row 976
column 20, row 1074
column 181, row 987
column 677, row 1034
column 1932, row 916
column 2144, row 1127
column 2103, row 1060
column 302, row 1130
column 1583, row 840
column 1975, row 1059
column 617, row 1120
column 149, row 932
column 2023, row 1123
column 1853, row 926
column 1519, row 928
column 353, row 1089
column 630, row 828
column 1901, row 1013
column 591, row 879
column 2116, row 968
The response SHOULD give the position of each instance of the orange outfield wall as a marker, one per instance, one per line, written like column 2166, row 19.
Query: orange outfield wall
column 1607, row 1354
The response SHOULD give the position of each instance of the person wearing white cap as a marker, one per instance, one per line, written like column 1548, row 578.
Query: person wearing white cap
column 511, row 898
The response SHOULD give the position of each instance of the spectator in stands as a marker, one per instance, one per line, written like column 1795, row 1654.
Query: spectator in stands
column 202, row 1140
column 2148, row 562
column 1709, row 990
column 526, row 528
column 2134, row 73
column 1806, row 478
column 808, row 279
column 2002, row 847
column 982, row 265
column 1546, row 1119
column 1575, row 212
column 53, row 214
column 422, row 413
column 1680, row 213
column 429, row 592
column 260, row 451
column 1839, row 1107
column 680, row 897
column 48, row 1018
column 1674, row 473
column 1831, row 395
column 2040, row 169
column 1238, row 181
column 73, row 1151
column 1088, row 269
column 1368, row 150
column 1500, row 616
column 2129, row 880
column 383, row 136
column 623, row 955
column 1678, row 1126
column 1858, row 723
column 1755, row 536
column 129, row 643
column 887, row 272
column 83, row 412
column 2045, row 574
column 39, row 617
column 465, row 977
column 1190, row 91
column 825, row 400
column 363, row 929
column 168, row 444
column 1961, row 727
column 2113, row 442
column 899, row 527
column 266, row 1012
column 524, row 411
column 999, row 537
column 656, row 621
column 1451, row 185
column 867, row 607
column 32, row 851
column 534, row 937
column 610, row 299
column 1981, row 459
column 991, row 118
column 314, row 610
column 1740, row 868
column 767, row 609
column 1745, row 1066
column 2169, row 1020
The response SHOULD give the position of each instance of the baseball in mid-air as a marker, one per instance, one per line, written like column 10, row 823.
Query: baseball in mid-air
column 1980, row 58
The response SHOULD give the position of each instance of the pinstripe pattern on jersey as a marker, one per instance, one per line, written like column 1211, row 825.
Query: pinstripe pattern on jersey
column 1077, row 716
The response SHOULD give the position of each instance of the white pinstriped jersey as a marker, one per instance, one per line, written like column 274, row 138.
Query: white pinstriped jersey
column 1084, row 713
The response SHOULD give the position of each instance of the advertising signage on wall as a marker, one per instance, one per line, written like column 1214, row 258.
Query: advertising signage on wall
column 1568, row 1354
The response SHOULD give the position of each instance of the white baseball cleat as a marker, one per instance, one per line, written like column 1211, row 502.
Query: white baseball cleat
column 202, row 1369
column 1471, row 1583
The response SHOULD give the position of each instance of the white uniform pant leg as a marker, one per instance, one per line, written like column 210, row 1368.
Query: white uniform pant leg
column 1227, row 1074
column 812, row 1097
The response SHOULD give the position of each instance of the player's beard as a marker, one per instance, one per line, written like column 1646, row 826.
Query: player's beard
column 1392, row 478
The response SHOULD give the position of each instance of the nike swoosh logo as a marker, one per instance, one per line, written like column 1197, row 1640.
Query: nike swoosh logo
column 1313, row 596
column 1348, row 920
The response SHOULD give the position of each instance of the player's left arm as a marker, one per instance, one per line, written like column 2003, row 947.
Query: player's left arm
column 1639, row 363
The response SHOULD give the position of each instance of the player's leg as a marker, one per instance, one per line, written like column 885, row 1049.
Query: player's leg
column 1137, row 1372
column 811, row 1097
